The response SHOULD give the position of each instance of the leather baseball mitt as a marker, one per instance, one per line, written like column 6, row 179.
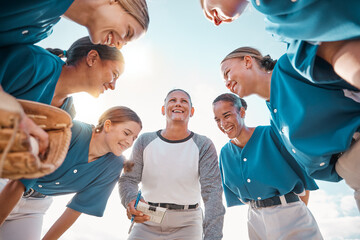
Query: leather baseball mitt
column 19, row 157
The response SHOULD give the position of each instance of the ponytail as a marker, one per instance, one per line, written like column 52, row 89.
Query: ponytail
column 81, row 47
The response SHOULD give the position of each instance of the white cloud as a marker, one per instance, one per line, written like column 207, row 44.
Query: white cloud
column 348, row 205
column 336, row 215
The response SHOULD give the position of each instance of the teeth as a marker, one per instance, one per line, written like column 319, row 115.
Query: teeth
column 177, row 111
column 228, row 130
column 233, row 88
column 109, row 39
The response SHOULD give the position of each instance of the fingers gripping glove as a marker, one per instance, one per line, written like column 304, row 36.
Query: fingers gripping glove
column 19, row 157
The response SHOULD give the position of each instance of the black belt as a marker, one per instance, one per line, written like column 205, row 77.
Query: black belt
column 273, row 201
column 32, row 193
column 336, row 156
column 172, row 206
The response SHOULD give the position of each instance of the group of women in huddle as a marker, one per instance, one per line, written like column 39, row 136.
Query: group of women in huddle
column 312, row 93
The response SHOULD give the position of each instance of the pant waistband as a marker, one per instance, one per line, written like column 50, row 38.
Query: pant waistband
column 32, row 193
column 273, row 201
column 172, row 206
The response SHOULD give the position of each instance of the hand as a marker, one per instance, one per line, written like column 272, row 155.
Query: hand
column 139, row 216
column 29, row 127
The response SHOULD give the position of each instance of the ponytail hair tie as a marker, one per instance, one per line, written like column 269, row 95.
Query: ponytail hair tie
column 64, row 53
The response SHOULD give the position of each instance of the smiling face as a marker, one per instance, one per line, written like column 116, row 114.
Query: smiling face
column 177, row 107
column 120, row 136
column 238, row 76
column 228, row 118
column 218, row 11
column 102, row 74
column 113, row 26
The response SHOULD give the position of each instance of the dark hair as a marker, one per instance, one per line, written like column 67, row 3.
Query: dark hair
column 117, row 114
column 265, row 62
column 180, row 90
column 233, row 99
column 81, row 47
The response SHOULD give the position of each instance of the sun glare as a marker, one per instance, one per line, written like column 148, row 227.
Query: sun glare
column 139, row 60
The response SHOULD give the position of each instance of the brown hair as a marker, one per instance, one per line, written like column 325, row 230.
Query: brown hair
column 117, row 114
column 265, row 62
column 81, row 47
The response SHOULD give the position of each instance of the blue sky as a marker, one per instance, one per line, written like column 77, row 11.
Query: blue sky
column 183, row 50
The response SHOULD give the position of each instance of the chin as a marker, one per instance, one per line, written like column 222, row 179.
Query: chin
column 240, row 94
column 231, row 135
column 119, row 153
column 95, row 94
column 93, row 38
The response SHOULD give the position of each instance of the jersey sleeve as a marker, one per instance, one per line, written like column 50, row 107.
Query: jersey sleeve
column 92, row 200
column 29, row 72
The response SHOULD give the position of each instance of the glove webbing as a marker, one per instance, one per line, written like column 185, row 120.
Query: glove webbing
column 10, row 143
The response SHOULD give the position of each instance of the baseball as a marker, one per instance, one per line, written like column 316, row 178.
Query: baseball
column 34, row 146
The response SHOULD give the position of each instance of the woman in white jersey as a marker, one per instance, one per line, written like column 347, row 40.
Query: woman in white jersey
column 176, row 168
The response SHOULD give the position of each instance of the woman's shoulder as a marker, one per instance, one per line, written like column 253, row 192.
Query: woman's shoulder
column 27, row 55
column 80, row 128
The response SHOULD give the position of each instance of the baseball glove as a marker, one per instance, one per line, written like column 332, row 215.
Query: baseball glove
column 19, row 157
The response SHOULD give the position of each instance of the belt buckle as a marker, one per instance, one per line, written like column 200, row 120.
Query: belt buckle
column 28, row 193
column 253, row 204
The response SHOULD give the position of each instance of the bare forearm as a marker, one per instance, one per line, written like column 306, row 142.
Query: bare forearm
column 9, row 197
column 66, row 220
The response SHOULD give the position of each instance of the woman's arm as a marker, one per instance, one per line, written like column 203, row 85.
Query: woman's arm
column 62, row 224
column 8, row 103
column 9, row 197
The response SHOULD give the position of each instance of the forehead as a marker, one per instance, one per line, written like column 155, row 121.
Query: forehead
column 230, row 63
column 221, row 107
column 226, row 64
column 114, row 64
column 137, row 29
column 178, row 94
column 131, row 125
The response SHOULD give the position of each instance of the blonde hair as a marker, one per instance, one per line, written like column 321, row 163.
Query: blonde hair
column 265, row 62
column 137, row 9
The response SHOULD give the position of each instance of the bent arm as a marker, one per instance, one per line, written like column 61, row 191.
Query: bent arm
column 9, row 103
column 9, row 197
column 66, row 220
column 129, row 181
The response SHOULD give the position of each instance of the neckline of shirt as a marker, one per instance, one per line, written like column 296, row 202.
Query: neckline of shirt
column 174, row 141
